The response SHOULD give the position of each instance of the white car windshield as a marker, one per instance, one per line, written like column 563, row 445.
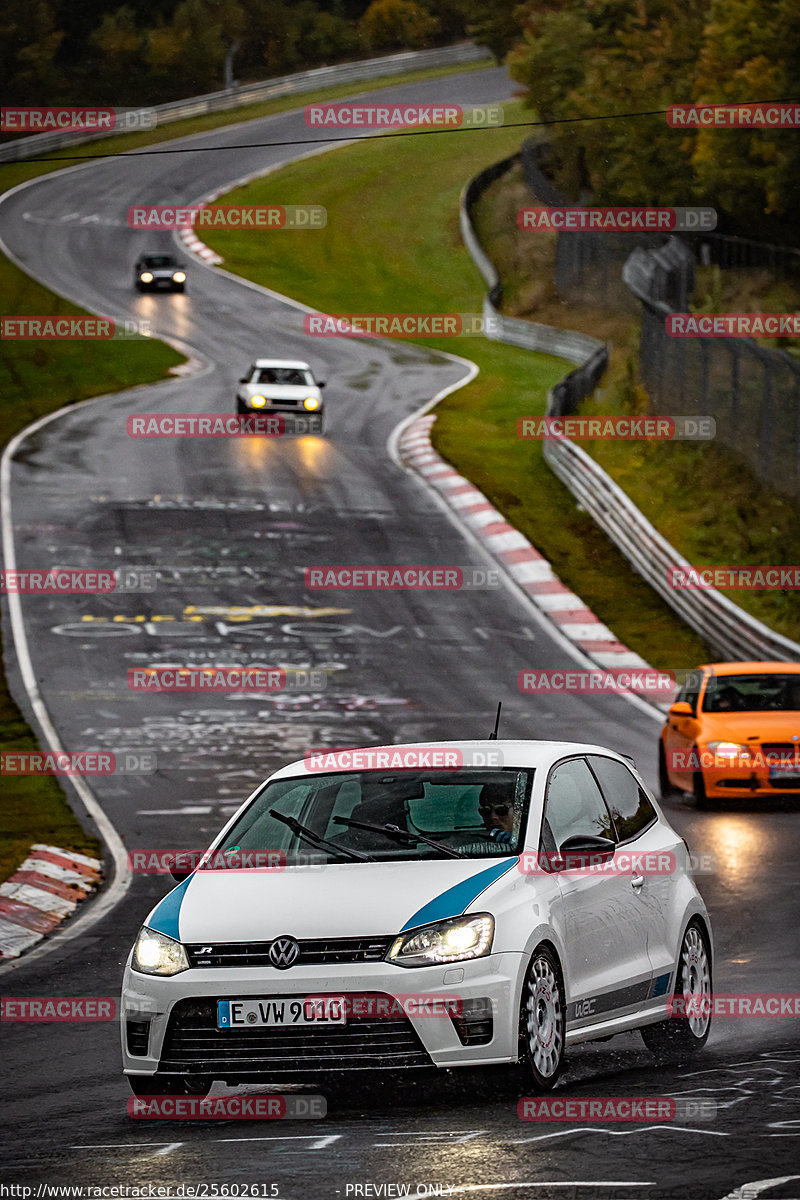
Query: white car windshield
column 282, row 376
column 342, row 816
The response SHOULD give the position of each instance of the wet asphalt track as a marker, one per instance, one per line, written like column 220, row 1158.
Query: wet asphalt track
column 230, row 525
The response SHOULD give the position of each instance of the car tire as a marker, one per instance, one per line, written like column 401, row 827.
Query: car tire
column 664, row 786
column 542, row 1021
column 169, row 1085
column 682, row 1038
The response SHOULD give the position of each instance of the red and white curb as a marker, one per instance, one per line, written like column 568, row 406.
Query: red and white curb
column 194, row 246
column 42, row 892
column 526, row 566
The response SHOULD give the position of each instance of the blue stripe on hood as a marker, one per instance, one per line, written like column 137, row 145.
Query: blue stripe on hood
column 453, row 902
column 165, row 916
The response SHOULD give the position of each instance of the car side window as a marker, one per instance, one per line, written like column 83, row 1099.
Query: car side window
column 630, row 806
column 688, row 694
column 574, row 805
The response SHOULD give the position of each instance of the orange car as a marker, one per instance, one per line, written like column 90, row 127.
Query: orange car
column 733, row 731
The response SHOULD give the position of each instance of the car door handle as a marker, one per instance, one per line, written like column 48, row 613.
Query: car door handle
column 637, row 882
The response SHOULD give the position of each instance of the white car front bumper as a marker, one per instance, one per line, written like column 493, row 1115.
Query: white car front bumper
column 496, row 979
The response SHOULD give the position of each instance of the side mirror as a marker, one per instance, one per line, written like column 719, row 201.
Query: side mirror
column 181, row 867
column 585, row 850
column 320, row 383
column 243, row 379
column 681, row 709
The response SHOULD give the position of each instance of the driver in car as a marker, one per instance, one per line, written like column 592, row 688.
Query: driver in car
column 497, row 812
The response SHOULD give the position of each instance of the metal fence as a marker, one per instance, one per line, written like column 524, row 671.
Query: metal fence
column 255, row 93
column 753, row 393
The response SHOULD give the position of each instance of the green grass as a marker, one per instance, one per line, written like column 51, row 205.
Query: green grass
column 37, row 378
column 392, row 243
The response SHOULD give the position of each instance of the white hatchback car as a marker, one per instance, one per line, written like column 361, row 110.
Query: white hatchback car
column 283, row 385
column 367, row 909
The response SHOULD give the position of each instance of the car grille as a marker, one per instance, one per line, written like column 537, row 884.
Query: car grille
column 781, row 751
column 313, row 952
column 194, row 1045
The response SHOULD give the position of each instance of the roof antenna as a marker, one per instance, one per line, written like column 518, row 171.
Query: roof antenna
column 493, row 734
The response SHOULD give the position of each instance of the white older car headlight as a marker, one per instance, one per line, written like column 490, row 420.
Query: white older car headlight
column 157, row 954
column 450, row 941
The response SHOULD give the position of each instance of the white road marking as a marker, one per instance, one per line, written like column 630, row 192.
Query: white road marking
column 544, row 1137
column 318, row 1143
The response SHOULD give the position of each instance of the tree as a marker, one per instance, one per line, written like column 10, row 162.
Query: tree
column 116, row 56
column 29, row 43
column 588, row 64
column 187, row 56
column 397, row 25
column 750, row 52
column 496, row 24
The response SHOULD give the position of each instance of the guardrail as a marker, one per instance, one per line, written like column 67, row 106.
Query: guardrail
column 255, row 93
column 589, row 353
column 729, row 630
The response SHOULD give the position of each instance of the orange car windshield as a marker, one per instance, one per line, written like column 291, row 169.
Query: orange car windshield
column 752, row 693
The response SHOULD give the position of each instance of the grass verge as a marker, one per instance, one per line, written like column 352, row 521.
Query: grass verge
column 392, row 243
column 39, row 378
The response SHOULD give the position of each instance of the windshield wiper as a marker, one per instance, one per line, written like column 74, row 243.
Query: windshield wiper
column 395, row 831
column 316, row 840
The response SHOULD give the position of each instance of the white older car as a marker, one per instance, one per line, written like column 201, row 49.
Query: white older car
column 283, row 385
column 494, row 904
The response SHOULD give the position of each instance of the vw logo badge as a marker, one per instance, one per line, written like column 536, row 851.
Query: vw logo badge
column 283, row 953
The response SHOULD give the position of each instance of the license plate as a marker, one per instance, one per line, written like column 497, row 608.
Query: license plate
column 787, row 770
column 265, row 1012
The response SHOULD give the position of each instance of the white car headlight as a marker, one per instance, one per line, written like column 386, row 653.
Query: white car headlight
column 178, row 277
column 146, row 276
column 450, row 941
column 157, row 954
column 310, row 403
column 258, row 401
